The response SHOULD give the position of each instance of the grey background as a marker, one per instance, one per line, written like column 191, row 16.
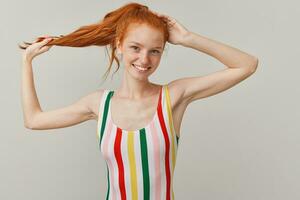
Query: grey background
column 241, row 144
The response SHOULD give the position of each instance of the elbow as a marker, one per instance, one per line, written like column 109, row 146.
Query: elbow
column 30, row 122
column 28, row 125
column 253, row 65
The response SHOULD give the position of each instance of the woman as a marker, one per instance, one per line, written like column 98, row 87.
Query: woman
column 139, row 123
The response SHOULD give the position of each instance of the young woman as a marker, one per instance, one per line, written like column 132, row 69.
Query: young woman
column 139, row 123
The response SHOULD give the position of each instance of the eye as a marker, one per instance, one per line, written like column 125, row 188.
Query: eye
column 134, row 47
column 156, row 51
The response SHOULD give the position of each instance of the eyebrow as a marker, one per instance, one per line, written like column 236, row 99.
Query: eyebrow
column 142, row 45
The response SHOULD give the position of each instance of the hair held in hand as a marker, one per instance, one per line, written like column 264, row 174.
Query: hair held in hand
column 113, row 26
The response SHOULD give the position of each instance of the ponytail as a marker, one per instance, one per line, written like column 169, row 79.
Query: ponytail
column 105, row 32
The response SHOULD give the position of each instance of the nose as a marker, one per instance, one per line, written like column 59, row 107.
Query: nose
column 144, row 58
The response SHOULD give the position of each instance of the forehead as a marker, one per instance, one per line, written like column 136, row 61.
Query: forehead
column 144, row 35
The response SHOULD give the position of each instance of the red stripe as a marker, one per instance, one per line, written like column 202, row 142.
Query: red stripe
column 167, row 143
column 117, row 150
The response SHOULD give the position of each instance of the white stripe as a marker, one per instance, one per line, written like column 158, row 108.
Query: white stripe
column 162, row 157
column 115, row 169
column 108, row 157
column 156, row 154
column 100, row 114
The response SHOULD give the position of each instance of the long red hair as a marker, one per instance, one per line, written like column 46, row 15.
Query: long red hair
column 113, row 26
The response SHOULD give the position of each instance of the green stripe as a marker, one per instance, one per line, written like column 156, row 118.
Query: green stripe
column 108, row 183
column 144, row 155
column 105, row 114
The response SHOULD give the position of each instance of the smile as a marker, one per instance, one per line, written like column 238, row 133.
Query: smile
column 141, row 69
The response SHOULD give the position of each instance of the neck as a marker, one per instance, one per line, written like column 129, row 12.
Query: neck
column 135, row 89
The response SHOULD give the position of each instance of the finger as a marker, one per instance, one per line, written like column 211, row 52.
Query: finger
column 172, row 23
column 165, row 16
column 44, row 42
column 161, row 15
column 44, row 49
column 168, row 20
column 156, row 13
column 39, row 39
column 44, row 36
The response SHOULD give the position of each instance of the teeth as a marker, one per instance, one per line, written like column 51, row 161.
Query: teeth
column 141, row 68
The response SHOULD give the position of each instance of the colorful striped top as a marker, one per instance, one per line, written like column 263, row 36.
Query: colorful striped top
column 140, row 163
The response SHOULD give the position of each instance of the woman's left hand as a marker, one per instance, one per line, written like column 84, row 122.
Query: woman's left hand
column 177, row 32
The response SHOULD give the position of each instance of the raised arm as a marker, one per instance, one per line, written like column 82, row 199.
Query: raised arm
column 239, row 65
column 37, row 119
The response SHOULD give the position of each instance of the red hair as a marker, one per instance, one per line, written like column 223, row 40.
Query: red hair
column 113, row 26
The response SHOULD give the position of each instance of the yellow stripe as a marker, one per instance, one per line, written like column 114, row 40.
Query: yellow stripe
column 171, row 127
column 131, row 155
column 173, row 194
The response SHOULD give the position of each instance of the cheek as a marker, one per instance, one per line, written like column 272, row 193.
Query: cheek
column 129, row 58
column 157, row 60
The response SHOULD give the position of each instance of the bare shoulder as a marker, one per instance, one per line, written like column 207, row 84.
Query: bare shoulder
column 94, row 99
column 176, row 94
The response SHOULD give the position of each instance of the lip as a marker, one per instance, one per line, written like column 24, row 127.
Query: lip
column 140, row 67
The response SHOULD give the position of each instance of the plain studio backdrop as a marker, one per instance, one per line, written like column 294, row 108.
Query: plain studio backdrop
column 241, row 144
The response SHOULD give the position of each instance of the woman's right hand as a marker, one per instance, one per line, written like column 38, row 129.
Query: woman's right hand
column 36, row 48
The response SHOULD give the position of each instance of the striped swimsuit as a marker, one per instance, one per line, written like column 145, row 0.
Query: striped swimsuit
column 140, row 163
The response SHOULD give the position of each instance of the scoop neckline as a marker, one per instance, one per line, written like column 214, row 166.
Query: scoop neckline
column 136, row 130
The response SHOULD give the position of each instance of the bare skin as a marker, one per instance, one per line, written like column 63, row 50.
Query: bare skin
column 135, row 119
column 136, row 92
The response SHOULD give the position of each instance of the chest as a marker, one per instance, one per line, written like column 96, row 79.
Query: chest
column 132, row 115
column 136, row 115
